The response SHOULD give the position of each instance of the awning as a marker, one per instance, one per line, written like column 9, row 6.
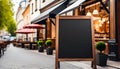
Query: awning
column 51, row 13
column 73, row 6
column 25, row 31
column 34, row 26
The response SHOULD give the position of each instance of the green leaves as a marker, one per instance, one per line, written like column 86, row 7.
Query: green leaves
column 48, row 42
column 11, row 27
column 40, row 43
column 100, row 46
column 6, row 16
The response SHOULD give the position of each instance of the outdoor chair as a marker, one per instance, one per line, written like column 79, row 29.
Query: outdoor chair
column 27, row 46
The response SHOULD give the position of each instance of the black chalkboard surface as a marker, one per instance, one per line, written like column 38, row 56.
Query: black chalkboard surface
column 75, row 37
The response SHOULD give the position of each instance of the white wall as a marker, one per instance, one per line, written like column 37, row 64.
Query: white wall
column 20, row 21
column 45, row 3
column 35, row 13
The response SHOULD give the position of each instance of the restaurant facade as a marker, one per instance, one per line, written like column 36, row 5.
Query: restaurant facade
column 106, row 22
column 104, row 13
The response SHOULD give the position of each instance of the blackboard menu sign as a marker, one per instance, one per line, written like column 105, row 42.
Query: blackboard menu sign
column 74, row 38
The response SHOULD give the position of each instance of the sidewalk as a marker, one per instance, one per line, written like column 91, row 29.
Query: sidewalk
column 87, row 64
column 20, row 58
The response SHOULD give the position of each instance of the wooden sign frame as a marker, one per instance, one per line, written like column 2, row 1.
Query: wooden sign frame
column 57, row 61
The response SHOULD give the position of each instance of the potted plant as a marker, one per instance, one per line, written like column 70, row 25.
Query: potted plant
column 101, row 57
column 40, row 46
column 49, row 49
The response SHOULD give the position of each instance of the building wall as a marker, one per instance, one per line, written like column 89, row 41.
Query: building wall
column 41, row 7
column 26, row 19
column 34, row 13
column 50, row 26
column 26, row 15
column 19, row 18
column 43, row 4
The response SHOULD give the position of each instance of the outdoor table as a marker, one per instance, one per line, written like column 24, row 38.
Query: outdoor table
column 28, row 42
column 23, row 43
column 33, row 45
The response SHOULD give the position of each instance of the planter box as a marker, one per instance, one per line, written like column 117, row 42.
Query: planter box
column 49, row 51
column 40, row 49
column 101, row 59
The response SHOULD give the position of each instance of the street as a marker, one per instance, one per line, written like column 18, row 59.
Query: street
column 20, row 58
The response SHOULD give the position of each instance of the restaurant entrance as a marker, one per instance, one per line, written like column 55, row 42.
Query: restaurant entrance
column 100, row 12
column 105, row 17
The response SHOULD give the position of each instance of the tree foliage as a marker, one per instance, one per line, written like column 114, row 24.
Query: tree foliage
column 6, row 16
column 11, row 27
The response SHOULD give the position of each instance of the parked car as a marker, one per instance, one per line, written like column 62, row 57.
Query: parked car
column 6, row 38
column 12, row 38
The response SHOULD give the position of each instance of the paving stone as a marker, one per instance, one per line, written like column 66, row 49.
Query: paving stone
column 20, row 58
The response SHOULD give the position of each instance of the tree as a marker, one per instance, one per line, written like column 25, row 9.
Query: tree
column 6, row 16
column 11, row 28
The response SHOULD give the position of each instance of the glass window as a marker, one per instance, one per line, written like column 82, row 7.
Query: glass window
column 35, row 5
column 32, row 8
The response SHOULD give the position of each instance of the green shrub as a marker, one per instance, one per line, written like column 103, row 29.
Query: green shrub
column 40, row 43
column 100, row 46
column 48, row 43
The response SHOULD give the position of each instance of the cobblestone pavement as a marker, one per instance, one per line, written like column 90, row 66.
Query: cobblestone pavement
column 19, row 58
column 87, row 65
